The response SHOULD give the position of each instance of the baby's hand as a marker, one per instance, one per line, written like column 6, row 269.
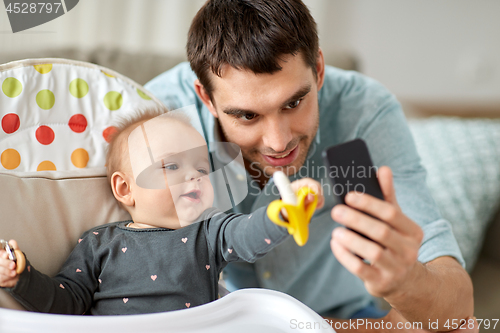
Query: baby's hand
column 8, row 275
column 312, row 184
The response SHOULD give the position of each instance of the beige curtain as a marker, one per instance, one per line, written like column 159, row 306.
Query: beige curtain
column 155, row 26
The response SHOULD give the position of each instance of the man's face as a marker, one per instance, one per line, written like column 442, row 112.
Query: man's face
column 272, row 117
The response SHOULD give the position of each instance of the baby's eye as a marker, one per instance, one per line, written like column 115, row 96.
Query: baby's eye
column 203, row 171
column 171, row 166
column 293, row 104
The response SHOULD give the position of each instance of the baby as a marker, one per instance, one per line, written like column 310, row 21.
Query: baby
column 170, row 255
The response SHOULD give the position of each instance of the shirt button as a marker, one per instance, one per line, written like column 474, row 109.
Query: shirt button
column 266, row 275
column 241, row 177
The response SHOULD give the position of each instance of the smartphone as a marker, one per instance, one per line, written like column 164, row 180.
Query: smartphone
column 350, row 168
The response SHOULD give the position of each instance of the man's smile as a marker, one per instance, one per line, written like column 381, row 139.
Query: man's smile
column 282, row 159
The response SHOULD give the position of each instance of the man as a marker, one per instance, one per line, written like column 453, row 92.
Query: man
column 259, row 81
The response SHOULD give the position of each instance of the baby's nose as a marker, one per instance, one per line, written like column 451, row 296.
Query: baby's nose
column 193, row 175
column 198, row 179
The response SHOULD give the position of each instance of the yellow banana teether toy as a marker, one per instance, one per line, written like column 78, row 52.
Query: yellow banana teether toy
column 299, row 215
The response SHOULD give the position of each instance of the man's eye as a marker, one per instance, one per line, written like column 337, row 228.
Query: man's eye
column 171, row 166
column 248, row 116
column 293, row 104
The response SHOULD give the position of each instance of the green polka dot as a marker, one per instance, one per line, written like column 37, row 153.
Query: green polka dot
column 113, row 100
column 143, row 95
column 45, row 99
column 78, row 88
column 12, row 87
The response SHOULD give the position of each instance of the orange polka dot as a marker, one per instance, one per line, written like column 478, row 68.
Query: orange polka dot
column 10, row 159
column 45, row 135
column 108, row 133
column 80, row 158
column 10, row 123
column 46, row 166
column 78, row 123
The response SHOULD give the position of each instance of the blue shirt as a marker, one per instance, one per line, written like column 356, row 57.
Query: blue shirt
column 350, row 106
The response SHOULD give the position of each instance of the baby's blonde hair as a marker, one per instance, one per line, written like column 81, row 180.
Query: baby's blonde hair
column 117, row 153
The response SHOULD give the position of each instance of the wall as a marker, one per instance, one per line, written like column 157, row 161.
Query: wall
column 434, row 52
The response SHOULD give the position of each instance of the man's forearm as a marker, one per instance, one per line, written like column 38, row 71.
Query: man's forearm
column 440, row 290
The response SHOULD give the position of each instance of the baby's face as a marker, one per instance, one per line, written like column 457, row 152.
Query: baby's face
column 171, row 187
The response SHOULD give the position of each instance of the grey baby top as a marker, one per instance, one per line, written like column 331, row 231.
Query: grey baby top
column 119, row 270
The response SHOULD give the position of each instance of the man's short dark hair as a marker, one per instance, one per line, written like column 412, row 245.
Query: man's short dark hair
column 250, row 35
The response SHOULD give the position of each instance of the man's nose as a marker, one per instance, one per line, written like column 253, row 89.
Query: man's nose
column 277, row 134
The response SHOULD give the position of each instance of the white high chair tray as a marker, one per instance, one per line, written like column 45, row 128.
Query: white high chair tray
column 246, row 310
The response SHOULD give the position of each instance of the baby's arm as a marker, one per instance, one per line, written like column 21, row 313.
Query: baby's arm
column 249, row 237
column 70, row 292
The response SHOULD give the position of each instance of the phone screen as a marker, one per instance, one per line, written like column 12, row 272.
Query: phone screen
column 350, row 168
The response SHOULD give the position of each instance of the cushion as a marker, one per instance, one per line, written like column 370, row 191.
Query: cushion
column 56, row 117
column 462, row 157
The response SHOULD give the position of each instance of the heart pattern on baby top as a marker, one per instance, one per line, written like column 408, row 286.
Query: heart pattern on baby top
column 207, row 267
column 125, row 300
column 184, row 240
column 78, row 270
column 188, row 305
column 124, row 249
column 153, row 277
column 268, row 241
column 230, row 250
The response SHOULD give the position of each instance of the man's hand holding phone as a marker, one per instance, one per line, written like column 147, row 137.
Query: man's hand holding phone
column 377, row 230
column 380, row 245
column 392, row 249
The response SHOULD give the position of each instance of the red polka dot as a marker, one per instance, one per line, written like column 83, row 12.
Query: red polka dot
column 108, row 133
column 10, row 123
column 78, row 123
column 45, row 135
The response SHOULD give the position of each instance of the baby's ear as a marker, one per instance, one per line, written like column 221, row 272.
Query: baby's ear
column 121, row 189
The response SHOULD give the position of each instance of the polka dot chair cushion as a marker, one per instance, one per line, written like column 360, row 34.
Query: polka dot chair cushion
column 57, row 115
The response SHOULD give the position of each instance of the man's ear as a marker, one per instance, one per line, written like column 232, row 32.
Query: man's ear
column 205, row 98
column 121, row 189
column 320, row 68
